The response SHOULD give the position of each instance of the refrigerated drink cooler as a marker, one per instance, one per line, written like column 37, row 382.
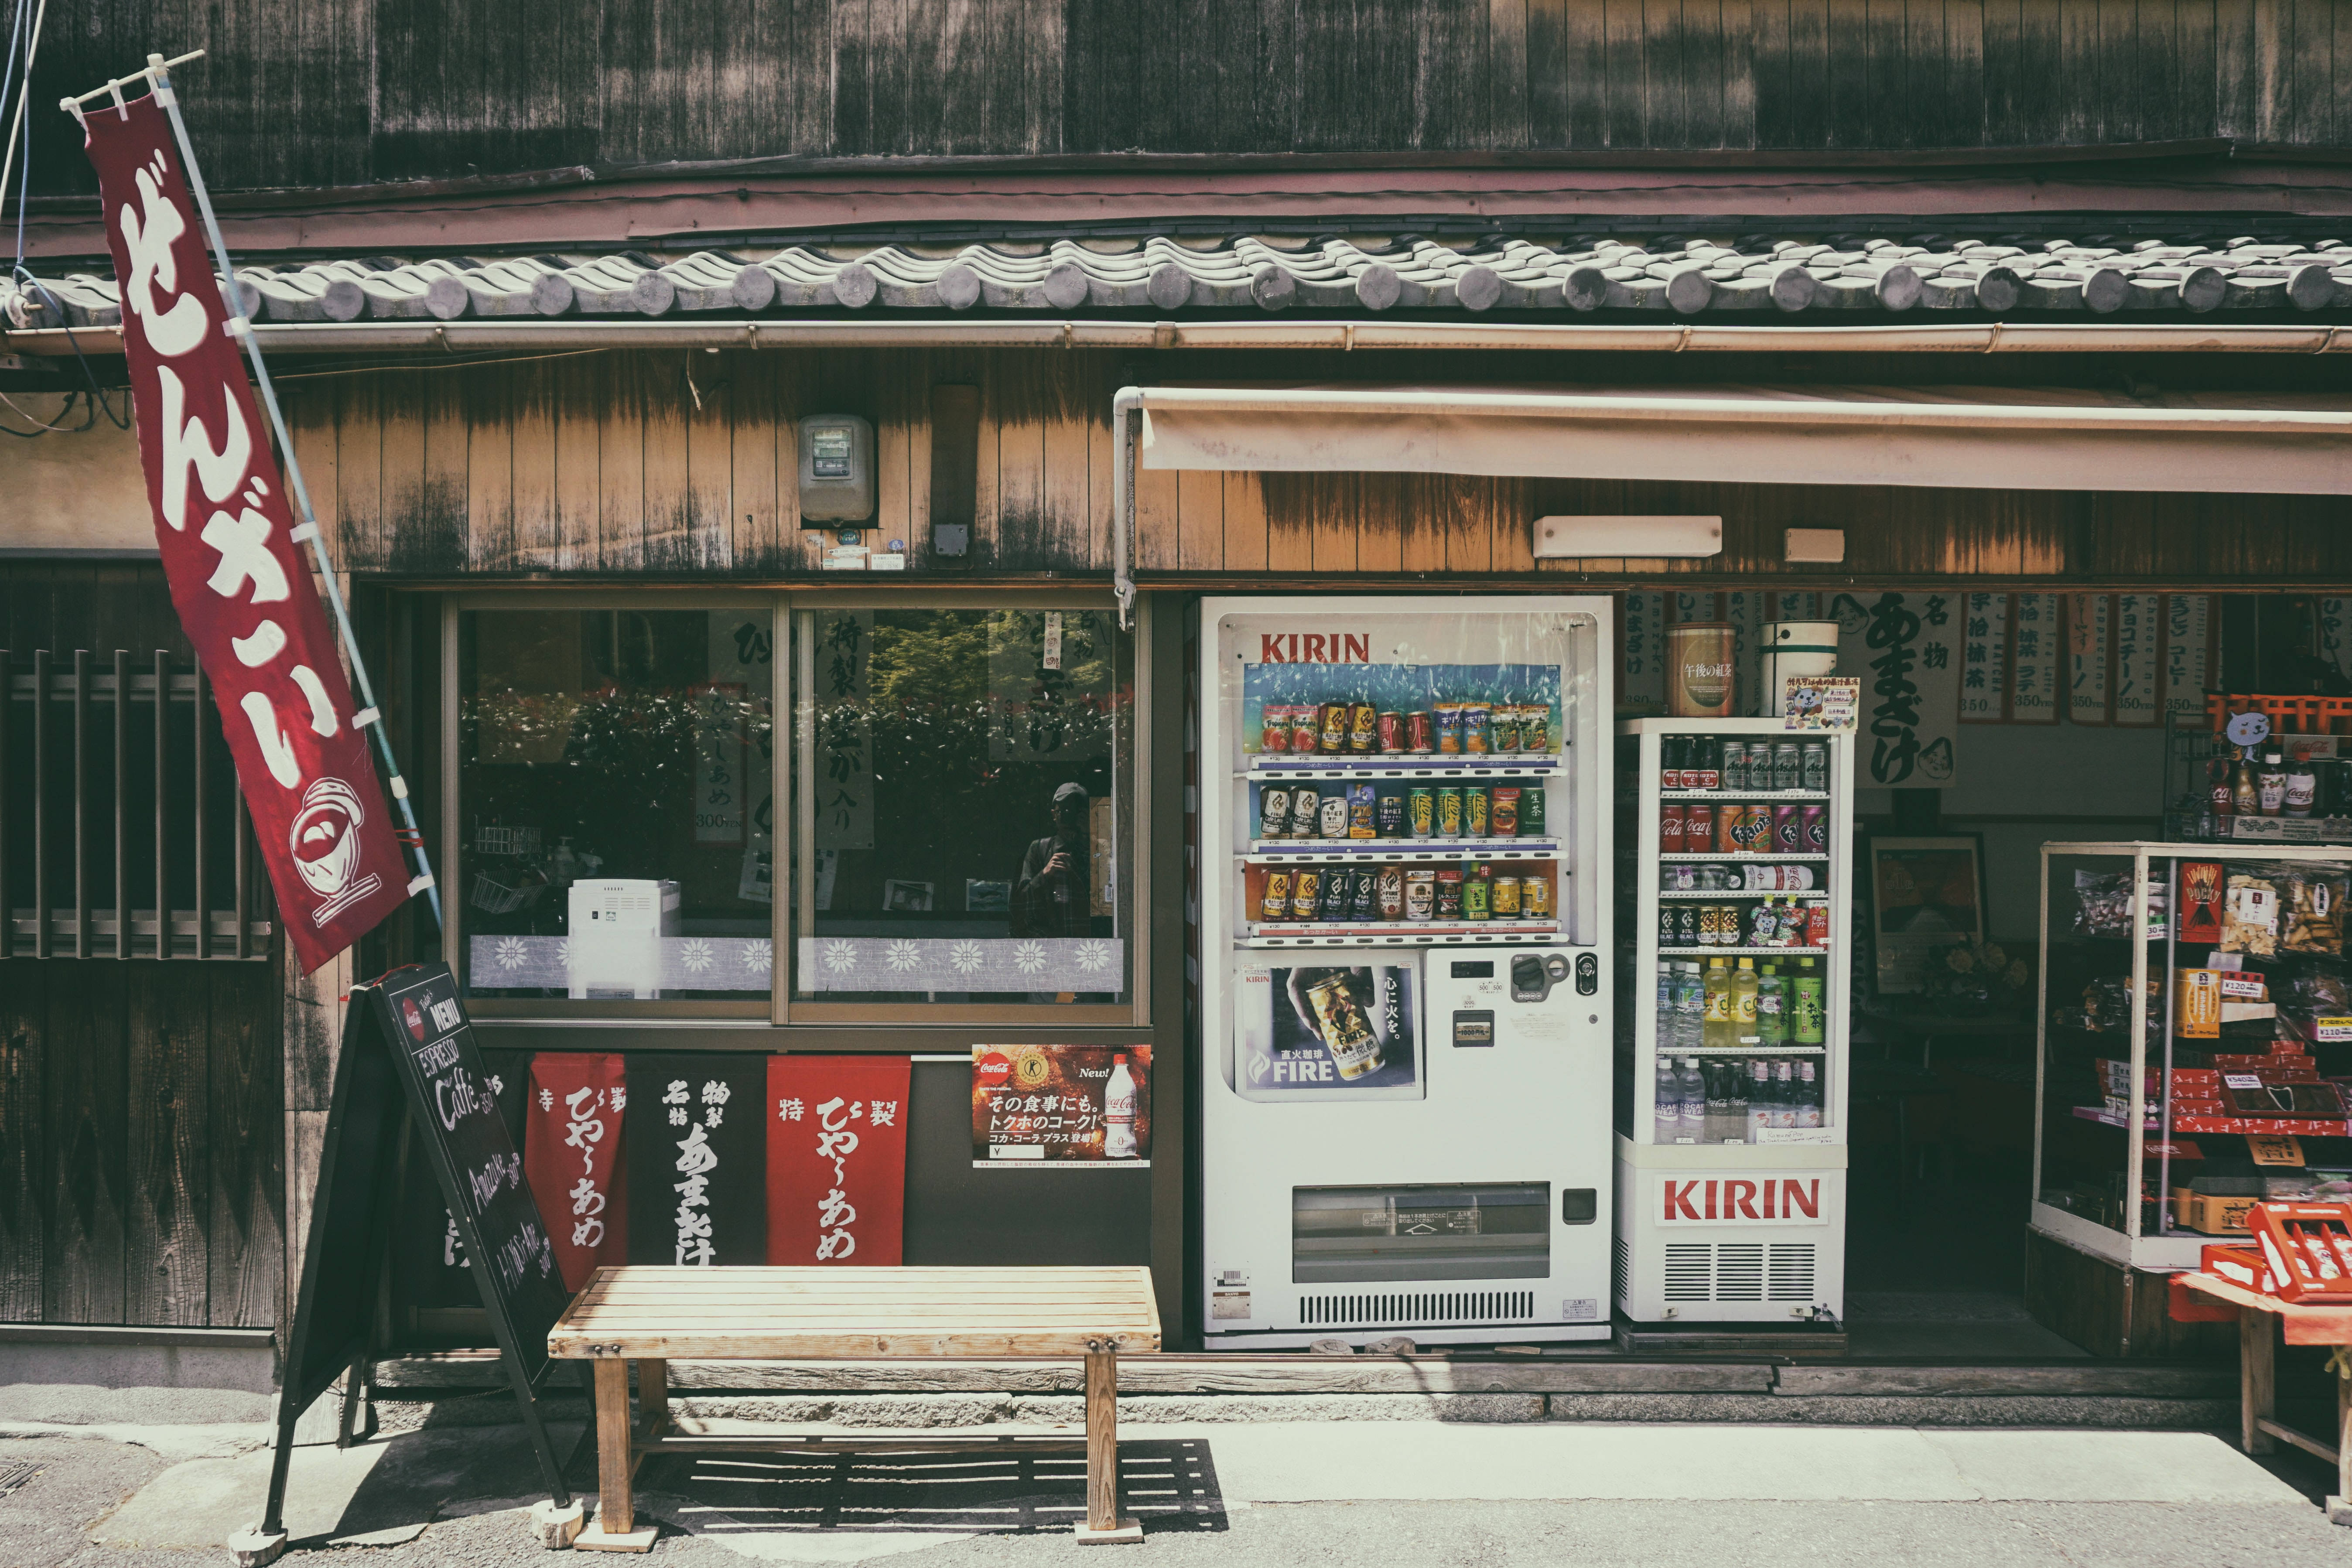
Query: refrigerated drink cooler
column 1733, row 895
column 1404, row 986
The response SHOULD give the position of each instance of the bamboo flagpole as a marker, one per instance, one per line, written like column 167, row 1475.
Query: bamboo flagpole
column 157, row 74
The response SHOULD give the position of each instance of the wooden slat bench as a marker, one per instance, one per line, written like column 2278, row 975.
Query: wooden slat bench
column 653, row 1315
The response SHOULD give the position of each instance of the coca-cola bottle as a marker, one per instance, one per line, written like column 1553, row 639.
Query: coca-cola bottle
column 1118, row 1112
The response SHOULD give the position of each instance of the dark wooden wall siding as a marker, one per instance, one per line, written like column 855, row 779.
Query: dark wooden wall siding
column 66, row 605
column 343, row 92
column 141, row 1162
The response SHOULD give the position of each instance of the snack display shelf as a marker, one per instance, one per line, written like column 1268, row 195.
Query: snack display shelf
column 1498, row 765
column 1282, row 851
column 1392, row 934
column 2215, row 1126
column 1676, row 858
column 1791, row 795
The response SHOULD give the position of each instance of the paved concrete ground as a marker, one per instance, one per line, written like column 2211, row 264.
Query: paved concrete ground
column 1310, row 1493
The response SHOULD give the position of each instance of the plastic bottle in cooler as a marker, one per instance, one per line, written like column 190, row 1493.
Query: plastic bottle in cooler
column 1771, row 1007
column 1717, row 1031
column 1692, row 1090
column 1784, row 1093
column 1667, row 1003
column 1805, row 1014
column 1809, row 1095
column 1690, row 1007
column 1666, row 1104
column 1743, row 1003
column 1759, row 1097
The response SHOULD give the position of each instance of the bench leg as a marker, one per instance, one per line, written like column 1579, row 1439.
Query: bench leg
column 1103, row 1522
column 652, row 1404
column 615, row 1528
column 2256, row 1381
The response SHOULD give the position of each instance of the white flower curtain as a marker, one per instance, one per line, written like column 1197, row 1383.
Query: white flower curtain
column 669, row 964
column 961, row 964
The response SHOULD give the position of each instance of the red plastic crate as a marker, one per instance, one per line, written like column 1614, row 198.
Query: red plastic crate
column 2308, row 1249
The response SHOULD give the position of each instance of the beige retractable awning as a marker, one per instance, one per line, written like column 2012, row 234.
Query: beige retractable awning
column 1974, row 437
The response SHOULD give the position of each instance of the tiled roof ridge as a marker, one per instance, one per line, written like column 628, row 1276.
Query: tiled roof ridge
column 1678, row 274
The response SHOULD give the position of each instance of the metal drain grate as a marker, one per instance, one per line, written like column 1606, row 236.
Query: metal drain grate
column 13, row 1477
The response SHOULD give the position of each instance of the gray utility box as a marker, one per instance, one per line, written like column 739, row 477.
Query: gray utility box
column 836, row 468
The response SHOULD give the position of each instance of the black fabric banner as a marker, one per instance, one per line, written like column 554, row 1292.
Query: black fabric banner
column 697, row 1159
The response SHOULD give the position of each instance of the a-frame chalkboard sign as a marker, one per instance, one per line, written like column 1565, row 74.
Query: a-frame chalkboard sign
column 406, row 1039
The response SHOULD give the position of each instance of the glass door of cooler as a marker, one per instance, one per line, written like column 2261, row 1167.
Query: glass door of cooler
column 1734, row 890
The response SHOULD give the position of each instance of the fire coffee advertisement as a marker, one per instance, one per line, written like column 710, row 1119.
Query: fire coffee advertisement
column 572, row 1157
column 837, row 1160
column 1061, row 1105
column 1331, row 1030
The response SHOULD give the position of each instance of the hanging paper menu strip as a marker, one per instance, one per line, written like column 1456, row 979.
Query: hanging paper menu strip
column 1984, row 659
column 2036, row 653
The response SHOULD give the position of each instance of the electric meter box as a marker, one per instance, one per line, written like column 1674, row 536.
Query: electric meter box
column 836, row 468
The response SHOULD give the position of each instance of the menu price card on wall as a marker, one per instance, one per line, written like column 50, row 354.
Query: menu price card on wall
column 1061, row 1105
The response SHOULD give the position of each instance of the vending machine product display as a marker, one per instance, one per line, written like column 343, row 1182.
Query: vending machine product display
column 1733, row 896
column 1403, row 989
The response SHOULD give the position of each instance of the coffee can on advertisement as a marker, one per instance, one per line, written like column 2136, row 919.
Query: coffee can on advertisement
column 1531, row 811
column 1419, row 734
column 1274, row 812
column 1334, row 733
column 1420, row 895
column 1389, row 814
column 1817, row 923
column 1363, row 893
column 1506, row 897
column 1814, row 829
column 1306, row 728
column 1391, row 732
column 1333, row 822
column 1477, row 740
column 1334, row 894
column 1449, row 811
column 1420, row 810
column 1305, row 895
column 1363, row 728
column 1503, row 811
column 1448, row 719
column 1535, row 727
column 1347, row 1033
column 1449, row 893
column 1475, row 818
column 1813, row 768
column 1534, row 897
column 1477, row 898
column 1699, row 670
column 1274, row 734
column 1306, row 812
column 1503, row 727
column 1364, row 803
column 1389, row 892
column 1698, row 829
column 1734, row 773
column 1788, row 830
column 1275, row 903
column 1687, row 925
column 1672, row 818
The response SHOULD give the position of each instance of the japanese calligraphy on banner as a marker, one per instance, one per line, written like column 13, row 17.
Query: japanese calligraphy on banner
column 2035, row 655
column 572, row 1156
column 2188, row 653
column 837, row 1160
column 1984, row 659
column 844, row 730
column 2140, row 629
column 720, row 785
column 240, row 581
column 1905, row 647
column 1792, row 607
column 2090, row 645
column 697, row 1153
column 1035, row 1105
column 1642, row 651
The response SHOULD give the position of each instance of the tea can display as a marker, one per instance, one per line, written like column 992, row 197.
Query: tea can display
column 1506, row 897
column 1419, row 734
column 1389, row 812
column 1503, row 727
column 1503, row 811
column 1274, row 904
column 1306, row 894
column 1699, row 670
column 1534, row 897
column 1477, row 898
column 1306, row 812
column 1474, row 824
column 1363, row 805
column 1391, row 731
column 1447, row 717
column 1449, row 893
column 1420, row 895
column 1531, row 810
column 1334, row 733
column 1274, row 812
column 1306, row 728
column 1333, row 821
column 1420, row 810
column 1449, row 811
column 1477, row 737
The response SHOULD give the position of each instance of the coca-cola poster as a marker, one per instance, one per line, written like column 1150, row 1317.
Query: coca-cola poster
column 837, row 1160
column 572, row 1156
column 240, row 579
column 698, row 1158
column 1047, row 1105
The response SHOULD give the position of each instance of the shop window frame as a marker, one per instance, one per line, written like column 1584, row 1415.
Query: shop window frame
column 1134, row 875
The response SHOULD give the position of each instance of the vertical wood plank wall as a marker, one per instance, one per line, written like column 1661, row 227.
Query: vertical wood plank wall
column 683, row 465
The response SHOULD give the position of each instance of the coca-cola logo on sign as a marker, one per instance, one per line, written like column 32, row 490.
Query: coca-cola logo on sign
column 1739, row 1200
column 1314, row 647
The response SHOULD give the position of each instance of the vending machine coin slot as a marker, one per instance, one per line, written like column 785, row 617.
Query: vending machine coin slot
column 1534, row 974
column 1588, row 974
column 1473, row 1026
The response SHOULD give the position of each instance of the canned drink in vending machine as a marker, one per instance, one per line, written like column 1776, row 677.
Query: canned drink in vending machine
column 1335, row 895
column 1332, row 822
column 1306, row 728
column 1363, row 894
column 1419, row 734
column 1503, row 811
column 1816, row 922
column 1698, row 829
column 1474, row 821
column 1273, row 733
column 1668, row 932
column 1420, row 895
column 1363, row 806
column 1535, row 897
column 1449, row 811
column 1815, row 767
column 1687, row 925
column 1448, row 717
column 1306, row 812
column 1305, row 895
column 1420, row 810
column 1672, row 818
column 1389, row 892
column 1813, row 828
column 1274, row 812
column 1391, row 731
column 1363, row 728
column 1476, row 738
column 1389, row 814
column 1449, row 893
column 1535, row 727
column 1477, row 898
column 1531, row 810
column 1734, row 773
column 1334, row 733
column 1788, row 766
column 1274, row 904
column 1506, row 897
column 1503, row 727
column 1788, row 830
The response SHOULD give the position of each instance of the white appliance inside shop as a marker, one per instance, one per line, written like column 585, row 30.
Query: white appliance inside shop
column 1732, row 1018
column 1404, row 984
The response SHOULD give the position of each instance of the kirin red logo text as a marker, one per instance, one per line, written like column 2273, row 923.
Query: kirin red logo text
column 1789, row 1200
column 1314, row 647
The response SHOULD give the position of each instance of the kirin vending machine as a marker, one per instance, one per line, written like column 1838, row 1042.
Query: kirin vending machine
column 1404, row 983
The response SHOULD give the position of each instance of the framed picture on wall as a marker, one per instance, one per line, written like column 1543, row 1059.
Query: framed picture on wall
column 1926, row 894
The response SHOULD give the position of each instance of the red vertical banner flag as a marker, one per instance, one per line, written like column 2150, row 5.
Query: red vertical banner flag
column 572, row 1159
column 240, row 579
column 837, row 1160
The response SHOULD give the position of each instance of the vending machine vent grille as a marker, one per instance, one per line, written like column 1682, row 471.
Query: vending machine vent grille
column 1420, row 1307
column 1620, row 1267
column 1735, row 1272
